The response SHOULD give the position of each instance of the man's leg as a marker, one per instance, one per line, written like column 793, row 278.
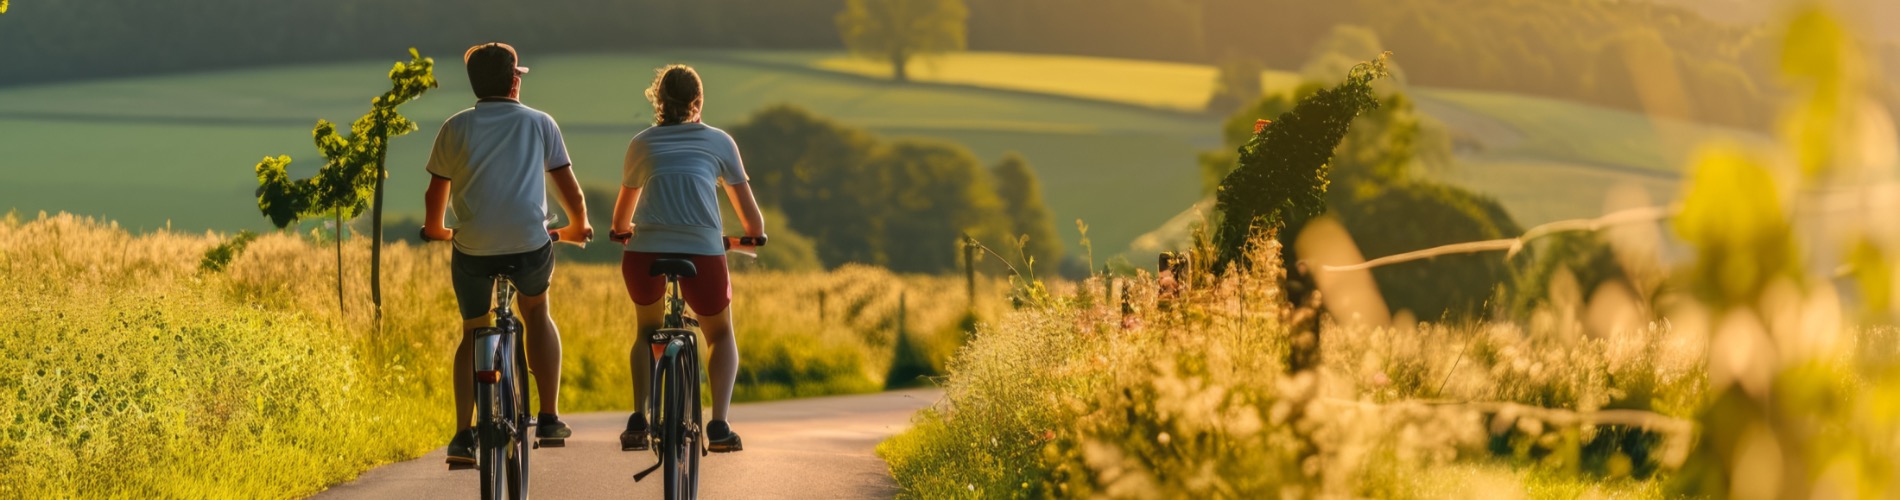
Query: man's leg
column 464, row 374
column 544, row 351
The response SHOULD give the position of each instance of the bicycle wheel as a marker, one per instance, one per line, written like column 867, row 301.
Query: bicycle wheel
column 698, row 431
column 489, row 454
column 518, row 414
column 673, row 443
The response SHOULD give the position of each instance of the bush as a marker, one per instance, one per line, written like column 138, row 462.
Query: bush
column 1391, row 218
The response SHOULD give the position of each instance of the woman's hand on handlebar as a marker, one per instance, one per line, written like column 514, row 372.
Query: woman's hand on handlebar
column 748, row 245
column 437, row 233
column 620, row 235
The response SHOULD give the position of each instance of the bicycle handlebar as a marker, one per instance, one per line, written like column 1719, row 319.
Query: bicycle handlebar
column 729, row 241
column 553, row 234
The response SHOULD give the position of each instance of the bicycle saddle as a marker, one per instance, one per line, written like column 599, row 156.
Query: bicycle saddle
column 674, row 266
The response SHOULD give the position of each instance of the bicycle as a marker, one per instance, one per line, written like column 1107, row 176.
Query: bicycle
column 503, row 396
column 678, row 436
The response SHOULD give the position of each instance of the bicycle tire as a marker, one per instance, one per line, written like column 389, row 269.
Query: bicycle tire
column 488, row 458
column 518, row 411
column 673, row 441
column 698, row 431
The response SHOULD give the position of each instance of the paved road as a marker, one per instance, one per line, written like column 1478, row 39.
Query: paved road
column 807, row 448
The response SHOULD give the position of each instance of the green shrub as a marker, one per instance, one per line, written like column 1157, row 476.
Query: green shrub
column 1387, row 218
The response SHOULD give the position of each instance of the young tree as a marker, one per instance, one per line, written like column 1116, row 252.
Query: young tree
column 352, row 178
column 1021, row 191
column 898, row 30
column 1280, row 181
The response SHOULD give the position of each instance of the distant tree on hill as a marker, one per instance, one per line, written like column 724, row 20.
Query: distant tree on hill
column 899, row 30
column 1237, row 84
column 900, row 204
column 1021, row 191
column 933, row 192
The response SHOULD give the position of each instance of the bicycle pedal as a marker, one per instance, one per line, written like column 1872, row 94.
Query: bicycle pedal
column 460, row 466
column 551, row 443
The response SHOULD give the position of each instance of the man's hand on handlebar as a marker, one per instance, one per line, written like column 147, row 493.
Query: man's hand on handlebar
column 437, row 233
column 575, row 234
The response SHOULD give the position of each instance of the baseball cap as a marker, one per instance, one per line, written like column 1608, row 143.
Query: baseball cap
column 492, row 58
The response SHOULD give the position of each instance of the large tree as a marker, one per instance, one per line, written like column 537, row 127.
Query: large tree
column 1021, row 191
column 899, row 30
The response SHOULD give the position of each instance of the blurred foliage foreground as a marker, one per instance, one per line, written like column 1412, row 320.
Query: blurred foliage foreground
column 1764, row 366
column 131, row 369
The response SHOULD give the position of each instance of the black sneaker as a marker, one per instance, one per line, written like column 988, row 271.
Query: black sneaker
column 721, row 439
column 551, row 431
column 635, row 437
column 462, row 450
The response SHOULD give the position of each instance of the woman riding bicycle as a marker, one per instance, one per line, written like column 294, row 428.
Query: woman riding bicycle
column 668, row 206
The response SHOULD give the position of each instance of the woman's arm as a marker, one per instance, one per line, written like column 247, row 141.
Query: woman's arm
column 747, row 208
column 623, row 214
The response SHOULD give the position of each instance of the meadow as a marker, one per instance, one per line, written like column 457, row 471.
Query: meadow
column 1760, row 363
column 133, row 372
column 1113, row 140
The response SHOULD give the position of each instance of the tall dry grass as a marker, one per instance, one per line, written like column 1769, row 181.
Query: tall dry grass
column 131, row 372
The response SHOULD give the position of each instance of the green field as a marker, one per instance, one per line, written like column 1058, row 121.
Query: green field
column 1112, row 139
column 180, row 149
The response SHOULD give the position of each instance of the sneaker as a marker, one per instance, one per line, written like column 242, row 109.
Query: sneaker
column 635, row 437
column 721, row 439
column 551, row 431
column 462, row 450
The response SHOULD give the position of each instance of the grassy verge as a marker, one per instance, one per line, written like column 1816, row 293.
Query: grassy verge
column 132, row 373
column 1079, row 399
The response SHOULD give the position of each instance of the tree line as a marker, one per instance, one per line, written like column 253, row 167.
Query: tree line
column 1599, row 51
column 899, row 203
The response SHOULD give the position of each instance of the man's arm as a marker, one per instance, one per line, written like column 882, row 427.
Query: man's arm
column 578, row 230
column 435, row 203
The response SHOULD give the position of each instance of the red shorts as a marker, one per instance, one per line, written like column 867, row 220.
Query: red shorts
column 708, row 293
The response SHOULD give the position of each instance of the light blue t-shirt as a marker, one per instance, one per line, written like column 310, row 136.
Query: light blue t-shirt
column 496, row 156
column 678, row 170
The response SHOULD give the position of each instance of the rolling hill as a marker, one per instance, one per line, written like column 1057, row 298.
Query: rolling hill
column 1113, row 140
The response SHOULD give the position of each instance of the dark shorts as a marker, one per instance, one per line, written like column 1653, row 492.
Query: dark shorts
column 474, row 276
column 708, row 293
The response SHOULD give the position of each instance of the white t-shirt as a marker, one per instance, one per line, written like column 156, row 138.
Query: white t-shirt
column 678, row 169
column 496, row 156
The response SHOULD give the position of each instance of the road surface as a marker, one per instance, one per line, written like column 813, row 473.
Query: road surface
column 806, row 448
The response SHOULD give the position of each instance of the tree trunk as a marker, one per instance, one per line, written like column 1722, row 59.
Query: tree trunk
column 898, row 70
column 376, row 236
column 340, row 311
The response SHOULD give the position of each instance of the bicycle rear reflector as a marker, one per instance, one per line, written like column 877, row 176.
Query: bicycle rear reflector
column 488, row 376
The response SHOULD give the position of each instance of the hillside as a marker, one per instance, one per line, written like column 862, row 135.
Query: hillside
column 1110, row 138
column 179, row 150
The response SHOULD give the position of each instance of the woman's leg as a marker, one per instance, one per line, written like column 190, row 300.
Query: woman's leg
column 711, row 292
column 724, row 367
column 648, row 310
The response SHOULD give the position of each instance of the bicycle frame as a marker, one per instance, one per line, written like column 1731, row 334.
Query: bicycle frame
column 676, row 356
column 502, row 398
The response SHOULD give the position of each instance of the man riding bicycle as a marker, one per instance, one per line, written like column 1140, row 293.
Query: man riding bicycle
column 494, row 156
